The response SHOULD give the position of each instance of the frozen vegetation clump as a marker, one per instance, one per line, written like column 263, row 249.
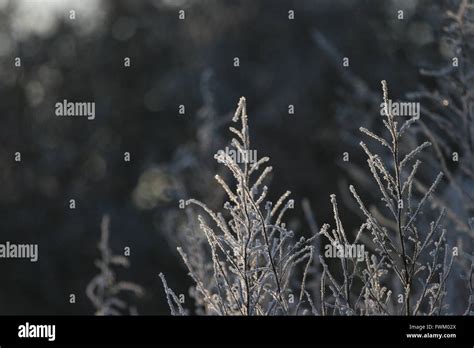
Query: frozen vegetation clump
column 252, row 253
column 408, row 262
column 245, row 261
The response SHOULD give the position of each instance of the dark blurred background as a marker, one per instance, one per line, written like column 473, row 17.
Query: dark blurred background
column 177, row 62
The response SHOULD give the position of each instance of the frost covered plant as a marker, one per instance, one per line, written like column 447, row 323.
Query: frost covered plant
column 407, row 269
column 448, row 123
column 252, row 253
column 104, row 290
column 449, row 110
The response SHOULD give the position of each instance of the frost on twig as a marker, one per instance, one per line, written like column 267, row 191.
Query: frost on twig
column 104, row 290
column 173, row 301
